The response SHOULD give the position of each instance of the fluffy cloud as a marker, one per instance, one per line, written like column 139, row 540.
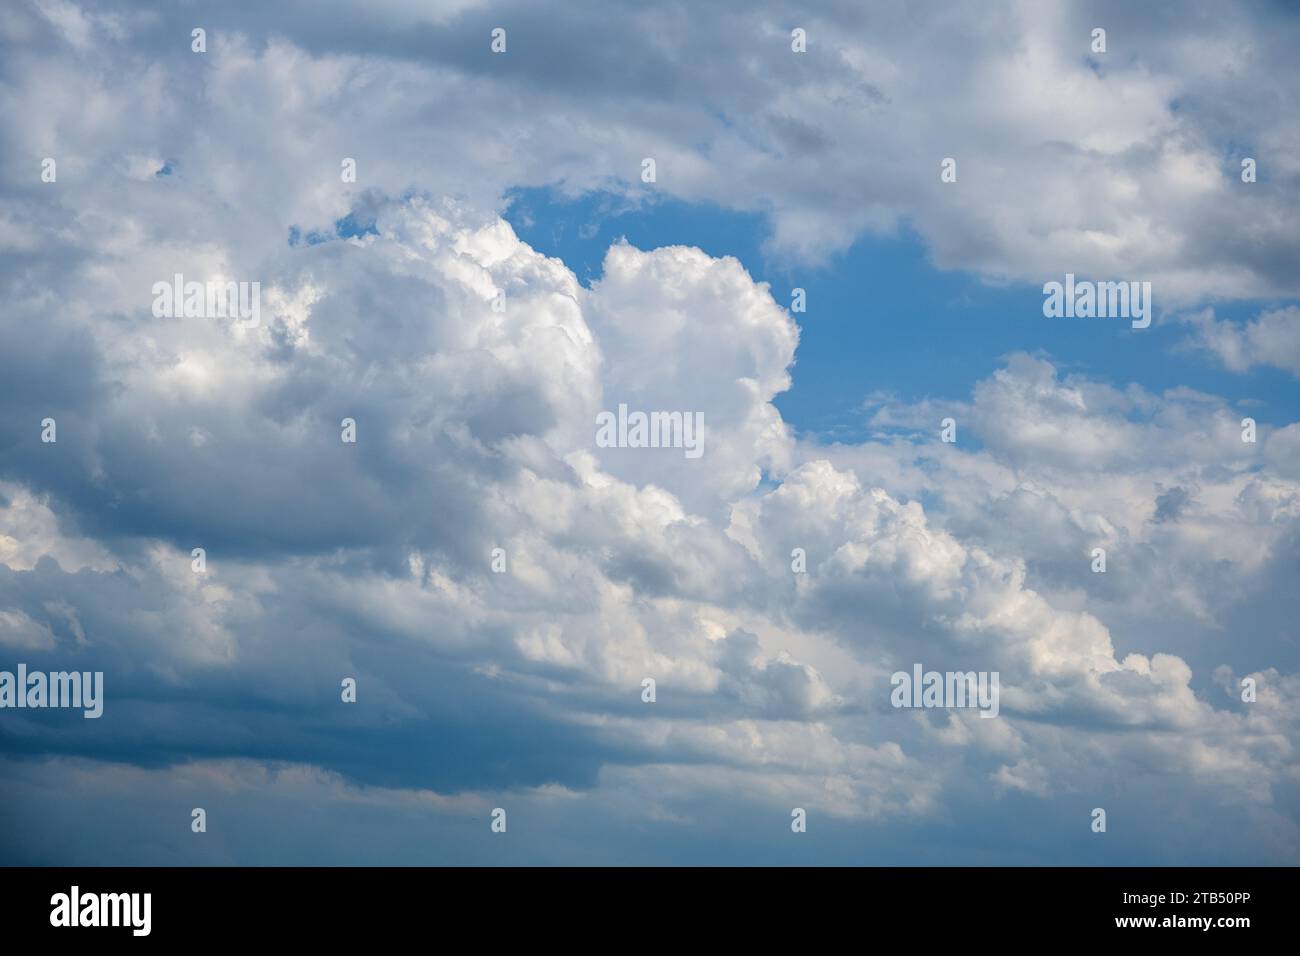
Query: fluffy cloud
column 1272, row 338
column 1067, row 160
column 476, row 430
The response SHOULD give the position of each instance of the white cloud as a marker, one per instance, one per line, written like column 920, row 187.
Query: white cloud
column 21, row 633
column 476, row 426
column 1271, row 339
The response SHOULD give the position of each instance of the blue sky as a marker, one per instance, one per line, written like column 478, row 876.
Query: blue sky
column 881, row 317
column 499, row 581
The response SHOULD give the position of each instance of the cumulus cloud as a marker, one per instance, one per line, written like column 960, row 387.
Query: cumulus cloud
column 1112, row 176
column 474, row 368
column 1272, row 338
column 371, row 560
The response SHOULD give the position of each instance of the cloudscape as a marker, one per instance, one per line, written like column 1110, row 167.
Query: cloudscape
column 616, row 433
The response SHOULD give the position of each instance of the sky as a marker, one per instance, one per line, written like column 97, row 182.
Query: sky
column 498, row 584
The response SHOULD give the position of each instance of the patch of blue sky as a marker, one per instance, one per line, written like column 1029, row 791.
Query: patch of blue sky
column 346, row 228
column 881, row 319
